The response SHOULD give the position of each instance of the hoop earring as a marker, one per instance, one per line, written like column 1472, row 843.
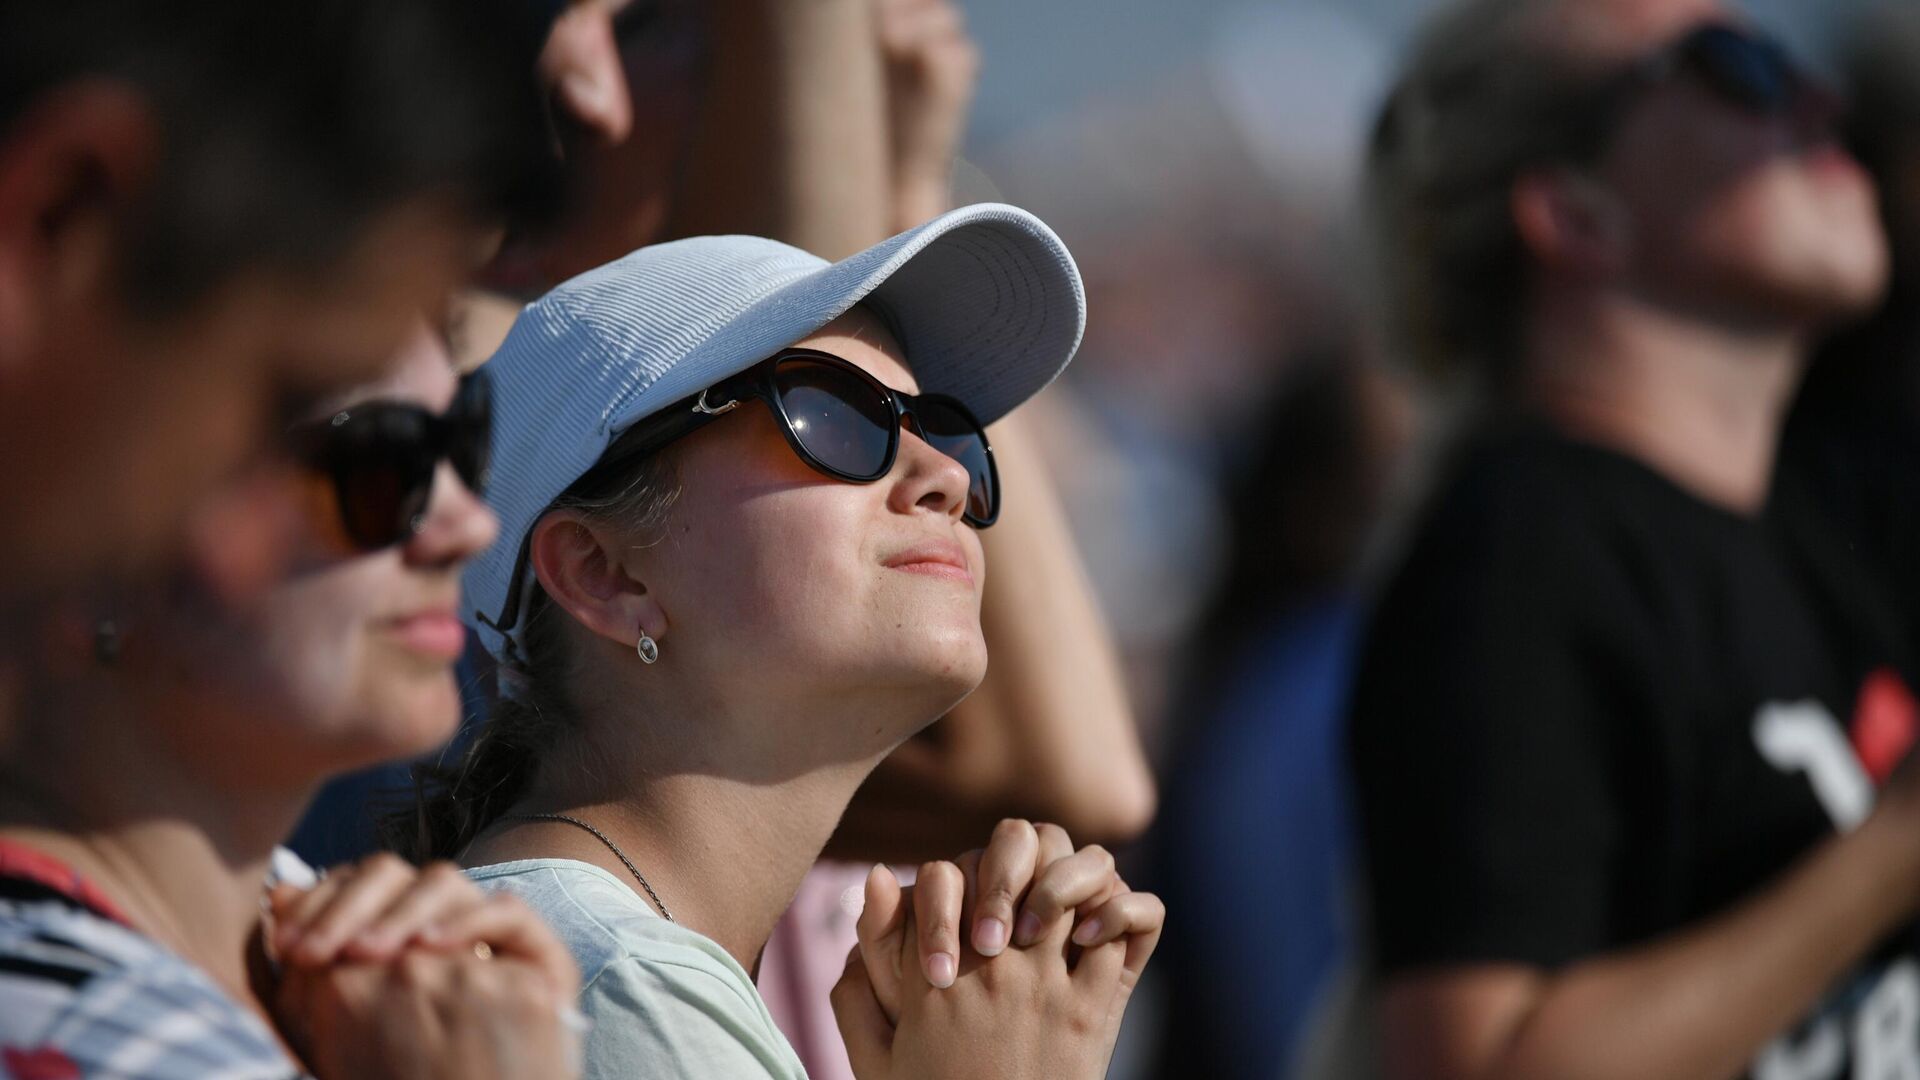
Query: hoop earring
column 647, row 648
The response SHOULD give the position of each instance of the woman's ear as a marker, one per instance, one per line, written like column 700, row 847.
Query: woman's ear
column 579, row 564
column 1572, row 223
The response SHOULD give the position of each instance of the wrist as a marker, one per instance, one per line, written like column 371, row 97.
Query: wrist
column 1890, row 839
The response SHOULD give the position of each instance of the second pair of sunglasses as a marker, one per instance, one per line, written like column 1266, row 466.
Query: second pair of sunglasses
column 379, row 458
column 1743, row 67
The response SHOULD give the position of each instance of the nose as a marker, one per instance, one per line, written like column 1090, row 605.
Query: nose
column 458, row 525
column 925, row 478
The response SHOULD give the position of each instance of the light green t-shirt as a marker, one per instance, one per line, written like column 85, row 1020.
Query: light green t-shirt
column 664, row 1001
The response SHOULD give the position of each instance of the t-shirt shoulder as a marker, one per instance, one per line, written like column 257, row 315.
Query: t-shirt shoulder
column 663, row 1000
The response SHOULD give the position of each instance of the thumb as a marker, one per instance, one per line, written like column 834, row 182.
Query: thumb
column 863, row 1026
column 882, row 932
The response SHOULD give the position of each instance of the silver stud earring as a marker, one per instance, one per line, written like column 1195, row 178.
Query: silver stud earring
column 648, row 648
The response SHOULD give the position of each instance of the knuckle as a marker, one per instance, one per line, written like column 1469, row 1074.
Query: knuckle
column 415, row 969
column 383, row 862
column 939, row 874
column 1100, row 856
column 941, row 927
column 528, row 999
column 442, row 873
column 1084, row 1020
column 1048, row 831
column 1012, row 829
column 995, row 896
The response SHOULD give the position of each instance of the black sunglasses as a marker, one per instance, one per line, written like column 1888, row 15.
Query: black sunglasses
column 1743, row 67
column 838, row 419
column 380, row 457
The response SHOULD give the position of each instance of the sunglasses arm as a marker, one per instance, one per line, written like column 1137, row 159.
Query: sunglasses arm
column 641, row 441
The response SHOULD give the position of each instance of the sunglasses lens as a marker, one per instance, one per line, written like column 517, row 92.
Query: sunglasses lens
column 950, row 429
column 383, row 473
column 841, row 420
column 1747, row 70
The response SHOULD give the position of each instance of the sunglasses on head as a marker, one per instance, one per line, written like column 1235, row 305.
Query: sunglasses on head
column 838, row 419
column 379, row 458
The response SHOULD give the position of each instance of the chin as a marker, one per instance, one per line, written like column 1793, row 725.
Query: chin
column 410, row 719
column 945, row 668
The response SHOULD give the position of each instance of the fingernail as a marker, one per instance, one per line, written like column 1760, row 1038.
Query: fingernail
column 1088, row 933
column 1027, row 930
column 990, row 937
column 940, row 970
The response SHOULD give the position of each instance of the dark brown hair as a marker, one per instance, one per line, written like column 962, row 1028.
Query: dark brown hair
column 454, row 803
column 287, row 127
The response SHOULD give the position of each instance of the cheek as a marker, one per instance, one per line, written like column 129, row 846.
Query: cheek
column 317, row 643
column 786, row 562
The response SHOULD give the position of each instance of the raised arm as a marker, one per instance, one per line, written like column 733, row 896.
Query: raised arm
column 790, row 138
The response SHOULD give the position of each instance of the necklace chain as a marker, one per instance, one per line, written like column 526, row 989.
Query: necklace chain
column 611, row 846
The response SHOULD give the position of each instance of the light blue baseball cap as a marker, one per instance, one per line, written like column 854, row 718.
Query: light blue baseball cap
column 986, row 302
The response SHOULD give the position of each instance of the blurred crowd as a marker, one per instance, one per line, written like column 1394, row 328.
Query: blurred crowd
column 559, row 537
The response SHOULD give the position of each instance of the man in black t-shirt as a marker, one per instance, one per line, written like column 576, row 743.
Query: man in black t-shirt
column 1630, row 720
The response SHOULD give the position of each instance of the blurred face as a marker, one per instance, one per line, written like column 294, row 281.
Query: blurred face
column 365, row 647
column 112, row 424
column 849, row 589
column 1739, row 215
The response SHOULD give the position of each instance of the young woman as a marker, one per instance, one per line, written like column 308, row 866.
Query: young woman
column 741, row 488
column 170, row 743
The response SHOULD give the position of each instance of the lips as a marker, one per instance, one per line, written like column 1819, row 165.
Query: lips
column 1831, row 161
column 934, row 558
column 435, row 633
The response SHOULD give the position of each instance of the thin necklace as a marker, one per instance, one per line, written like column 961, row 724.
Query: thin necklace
column 611, row 846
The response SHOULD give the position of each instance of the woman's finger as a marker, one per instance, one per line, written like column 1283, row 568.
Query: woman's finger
column 880, row 929
column 1124, row 915
column 511, row 930
column 1102, row 969
column 1061, row 888
column 438, row 895
column 864, row 1024
column 373, row 886
column 294, row 909
column 939, row 893
column 1006, row 870
column 1055, row 845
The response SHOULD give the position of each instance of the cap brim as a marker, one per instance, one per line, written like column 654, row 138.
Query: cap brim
column 986, row 301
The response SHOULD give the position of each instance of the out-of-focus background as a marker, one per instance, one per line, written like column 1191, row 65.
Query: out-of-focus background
column 1232, row 445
